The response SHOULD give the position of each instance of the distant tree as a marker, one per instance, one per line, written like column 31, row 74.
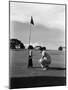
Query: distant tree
column 15, row 43
column 38, row 47
column 44, row 48
column 60, row 48
column 22, row 46
column 30, row 47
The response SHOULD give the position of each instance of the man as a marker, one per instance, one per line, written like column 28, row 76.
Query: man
column 45, row 60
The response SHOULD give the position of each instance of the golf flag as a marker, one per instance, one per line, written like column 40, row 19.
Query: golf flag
column 32, row 22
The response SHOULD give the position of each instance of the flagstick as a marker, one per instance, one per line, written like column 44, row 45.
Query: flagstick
column 31, row 22
column 30, row 34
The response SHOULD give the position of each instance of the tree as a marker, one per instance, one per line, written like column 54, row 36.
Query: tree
column 60, row 48
column 38, row 47
column 44, row 48
column 22, row 46
column 15, row 43
column 30, row 47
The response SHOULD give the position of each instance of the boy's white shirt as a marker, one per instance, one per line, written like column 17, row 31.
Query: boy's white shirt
column 43, row 53
column 30, row 52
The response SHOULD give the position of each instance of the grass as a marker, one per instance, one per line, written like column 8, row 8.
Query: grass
column 19, row 63
column 23, row 77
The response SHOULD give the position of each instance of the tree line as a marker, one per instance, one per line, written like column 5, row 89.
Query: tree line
column 17, row 44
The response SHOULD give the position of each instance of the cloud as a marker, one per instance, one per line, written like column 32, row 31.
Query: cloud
column 46, row 14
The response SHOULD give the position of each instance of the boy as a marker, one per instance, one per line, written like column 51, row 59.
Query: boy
column 45, row 60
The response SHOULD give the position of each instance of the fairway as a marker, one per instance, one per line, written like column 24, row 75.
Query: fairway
column 19, row 63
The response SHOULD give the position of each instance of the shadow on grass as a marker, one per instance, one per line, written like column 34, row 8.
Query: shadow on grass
column 53, row 68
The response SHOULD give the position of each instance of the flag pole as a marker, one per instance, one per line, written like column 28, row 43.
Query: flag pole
column 31, row 23
column 30, row 35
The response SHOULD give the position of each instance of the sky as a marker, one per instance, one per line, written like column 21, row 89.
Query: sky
column 49, row 23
